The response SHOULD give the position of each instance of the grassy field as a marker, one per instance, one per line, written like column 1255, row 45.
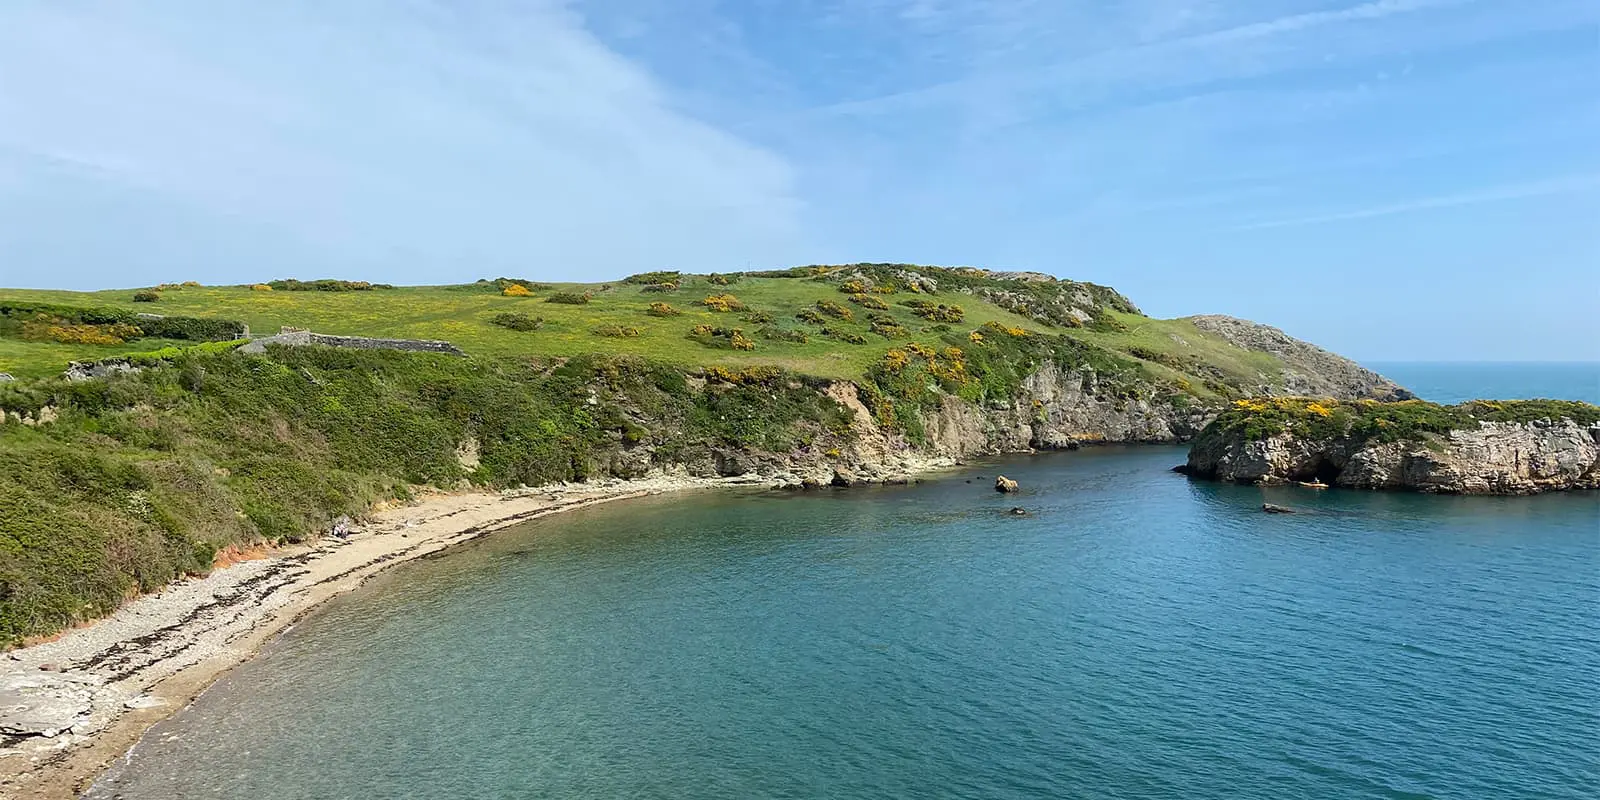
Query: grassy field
column 460, row 314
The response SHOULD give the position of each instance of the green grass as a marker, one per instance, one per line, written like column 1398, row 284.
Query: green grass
column 1173, row 349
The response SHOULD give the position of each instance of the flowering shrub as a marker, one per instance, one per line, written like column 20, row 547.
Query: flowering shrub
column 516, row 290
column 835, row 310
column 662, row 310
column 723, row 303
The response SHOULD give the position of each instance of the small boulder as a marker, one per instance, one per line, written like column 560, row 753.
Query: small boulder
column 1019, row 511
column 1272, row 509
column 1005, row 485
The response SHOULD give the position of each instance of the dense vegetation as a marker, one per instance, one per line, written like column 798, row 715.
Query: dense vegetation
column 1411, row 420
column 145, row 477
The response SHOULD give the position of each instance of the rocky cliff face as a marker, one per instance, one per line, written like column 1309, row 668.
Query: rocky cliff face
column 1307, row 369
column 1491, row 458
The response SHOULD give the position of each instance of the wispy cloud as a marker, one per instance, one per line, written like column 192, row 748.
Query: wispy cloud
column 423, row 141
column 1517, row 191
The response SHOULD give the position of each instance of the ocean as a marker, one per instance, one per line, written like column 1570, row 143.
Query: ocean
column 1456, row 382
column 1135, row 635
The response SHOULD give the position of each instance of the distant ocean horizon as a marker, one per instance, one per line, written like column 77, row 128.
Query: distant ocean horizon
column 1460, row 381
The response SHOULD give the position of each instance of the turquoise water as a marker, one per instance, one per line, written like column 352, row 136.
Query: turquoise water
column 1137, row 635
column 1455, row 382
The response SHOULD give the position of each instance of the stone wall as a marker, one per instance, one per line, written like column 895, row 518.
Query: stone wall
column 303, row 338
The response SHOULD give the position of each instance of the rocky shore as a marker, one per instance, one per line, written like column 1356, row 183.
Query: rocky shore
column 1477, row 457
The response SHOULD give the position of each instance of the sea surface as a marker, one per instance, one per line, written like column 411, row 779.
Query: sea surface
column 1135, row 635
column 1456, row 382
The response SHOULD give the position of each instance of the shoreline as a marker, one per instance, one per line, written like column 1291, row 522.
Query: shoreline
column 70, row 707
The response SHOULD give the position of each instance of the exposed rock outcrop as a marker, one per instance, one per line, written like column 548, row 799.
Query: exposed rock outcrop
column 1490, row 458
column 1308, row 369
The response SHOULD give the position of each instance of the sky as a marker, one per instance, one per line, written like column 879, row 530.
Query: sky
column 1391, row 179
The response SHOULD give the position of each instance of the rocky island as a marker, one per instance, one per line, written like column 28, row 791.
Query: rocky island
column 1481, row 447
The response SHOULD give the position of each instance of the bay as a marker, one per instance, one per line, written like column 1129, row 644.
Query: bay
column 1135, row 635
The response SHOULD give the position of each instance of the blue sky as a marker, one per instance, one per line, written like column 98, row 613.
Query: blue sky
column 1392, row 179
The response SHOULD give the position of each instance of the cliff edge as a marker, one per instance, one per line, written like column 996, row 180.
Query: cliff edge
column 1483, row 447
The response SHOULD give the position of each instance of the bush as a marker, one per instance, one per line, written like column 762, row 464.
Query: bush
column 657, row 277
column 516, row 290
column 810, row 317
column 936, row 312
column 776, row 334
column 617, row 331
column 868, row 301
column 146, row 296
column 722, row 303
column 325, row 285
column 718, row 279
column 889, row 329
column 848, row 337
column 662, row 310
column 502, row 284
column 517, row 321
column 195, row 329
column 661, row 288
column 855, row 286
column 67, row 333
column 711, row 336
column 260, row 287
column 757, row 318
column 568, row 298
column 835, row 310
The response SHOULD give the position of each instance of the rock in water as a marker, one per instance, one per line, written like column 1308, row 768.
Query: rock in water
column 1019, row 511
column 1272, row 509
column 1005, row 485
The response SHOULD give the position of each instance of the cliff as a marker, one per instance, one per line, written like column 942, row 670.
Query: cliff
column 1512, row 447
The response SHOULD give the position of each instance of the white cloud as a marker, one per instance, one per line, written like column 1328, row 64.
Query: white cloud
column 417, row 141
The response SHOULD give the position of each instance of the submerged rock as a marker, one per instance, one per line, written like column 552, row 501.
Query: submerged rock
column 1018, row 511
column 1005, row 485
column 1272, row 509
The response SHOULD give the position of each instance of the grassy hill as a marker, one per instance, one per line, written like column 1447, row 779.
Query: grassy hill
column 1172, row 349
column 116, row 486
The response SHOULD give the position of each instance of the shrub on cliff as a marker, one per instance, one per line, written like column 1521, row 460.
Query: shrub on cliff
column 146, row 296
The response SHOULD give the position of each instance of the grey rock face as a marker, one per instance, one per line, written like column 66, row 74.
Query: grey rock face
column 84, row 371
column 1308, row 369
column 1493, row 458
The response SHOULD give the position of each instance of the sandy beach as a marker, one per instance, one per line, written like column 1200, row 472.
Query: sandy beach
column 72, row 706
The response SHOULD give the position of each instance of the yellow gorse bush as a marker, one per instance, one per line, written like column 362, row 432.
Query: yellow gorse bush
column 722, row 302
